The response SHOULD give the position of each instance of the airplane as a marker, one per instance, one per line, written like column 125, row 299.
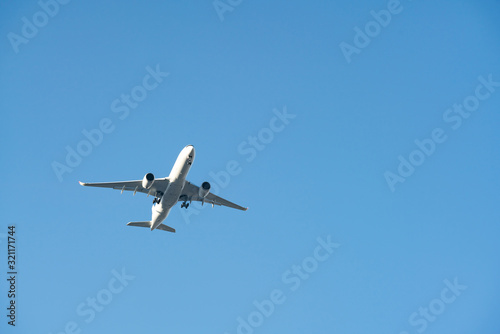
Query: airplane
column 168, row 191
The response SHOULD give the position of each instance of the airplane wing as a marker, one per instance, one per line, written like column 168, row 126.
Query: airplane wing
column 190, row 192
column 159, row 185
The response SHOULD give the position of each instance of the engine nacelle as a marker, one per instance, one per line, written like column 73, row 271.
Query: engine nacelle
column 204, row 189
column 148, row 180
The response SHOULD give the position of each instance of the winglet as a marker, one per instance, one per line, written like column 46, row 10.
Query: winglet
column 82, row 183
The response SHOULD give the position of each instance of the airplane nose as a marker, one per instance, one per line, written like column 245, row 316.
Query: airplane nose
column 190, row 149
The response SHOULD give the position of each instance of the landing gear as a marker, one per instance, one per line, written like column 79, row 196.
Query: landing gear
column 184, row 200
column 158, row 197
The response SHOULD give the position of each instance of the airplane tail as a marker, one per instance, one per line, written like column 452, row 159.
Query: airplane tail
column 162, row 227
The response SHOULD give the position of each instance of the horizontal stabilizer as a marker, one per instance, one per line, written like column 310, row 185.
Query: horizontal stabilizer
column 140, row 224
column 162, row 227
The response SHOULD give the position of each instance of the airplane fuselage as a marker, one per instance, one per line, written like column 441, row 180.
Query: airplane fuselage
column 177, row 179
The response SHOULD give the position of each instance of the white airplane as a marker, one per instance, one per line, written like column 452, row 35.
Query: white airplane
column 168, row 191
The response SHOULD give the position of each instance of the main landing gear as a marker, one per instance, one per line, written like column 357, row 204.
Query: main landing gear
column 184, row 204
column 158, row 198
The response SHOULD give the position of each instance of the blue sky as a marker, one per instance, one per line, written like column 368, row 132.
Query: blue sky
column 373, row 195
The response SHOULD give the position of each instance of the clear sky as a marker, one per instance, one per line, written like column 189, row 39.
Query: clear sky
column 363, row 135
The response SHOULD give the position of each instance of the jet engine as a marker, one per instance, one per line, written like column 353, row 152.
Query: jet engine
column 204, row 190
column 148, row 180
